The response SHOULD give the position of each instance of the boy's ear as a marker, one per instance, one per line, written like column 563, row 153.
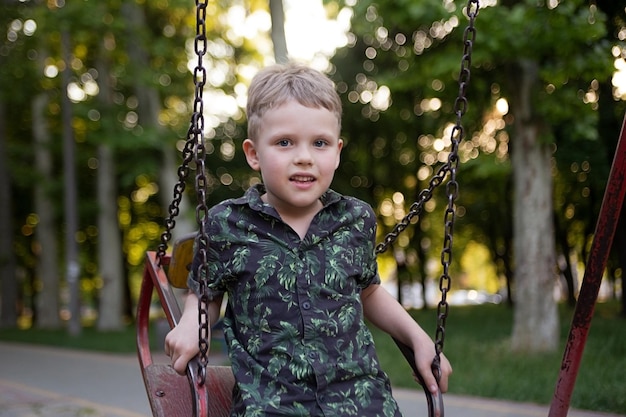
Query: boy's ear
column 251, row 154
column 340, row 147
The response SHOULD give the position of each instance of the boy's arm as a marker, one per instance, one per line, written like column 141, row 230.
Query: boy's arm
column 384, row 311
column 181, row 343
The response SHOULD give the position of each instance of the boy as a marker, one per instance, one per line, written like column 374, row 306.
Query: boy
column 297, row 262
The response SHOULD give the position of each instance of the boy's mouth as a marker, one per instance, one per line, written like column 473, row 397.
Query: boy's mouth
column 301, row 178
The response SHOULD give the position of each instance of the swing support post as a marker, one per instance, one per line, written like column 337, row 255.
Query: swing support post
column 600, row 249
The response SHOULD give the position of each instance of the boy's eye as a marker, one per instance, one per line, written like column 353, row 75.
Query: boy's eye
column 283, row 142
column 320, row 143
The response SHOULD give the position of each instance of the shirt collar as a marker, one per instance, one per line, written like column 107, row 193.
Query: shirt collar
column 252, row 197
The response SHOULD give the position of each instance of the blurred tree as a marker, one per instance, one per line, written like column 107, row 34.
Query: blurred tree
column 535, row 66
column 281, row 55
column 24, row 119
column 129, row 84
column 540, row 75
column 612, row 111
column 397, row 79
column 112, row 294
column 8, row 264
column 47, row 294
column 388, row 76
column 8, row 282
column 70, row 192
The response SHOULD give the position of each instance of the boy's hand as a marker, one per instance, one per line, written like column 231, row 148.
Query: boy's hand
column 424, row 361
column 181, row 343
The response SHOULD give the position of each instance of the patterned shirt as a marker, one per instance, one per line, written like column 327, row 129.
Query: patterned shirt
column 294, row 321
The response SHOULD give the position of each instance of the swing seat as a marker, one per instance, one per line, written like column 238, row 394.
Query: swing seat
column 174, row 395
column 171, row 394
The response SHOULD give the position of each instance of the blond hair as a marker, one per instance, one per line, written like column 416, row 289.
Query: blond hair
column 275, row 85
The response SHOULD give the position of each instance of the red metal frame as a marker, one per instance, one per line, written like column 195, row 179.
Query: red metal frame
column 171, row 394
column 600, row 248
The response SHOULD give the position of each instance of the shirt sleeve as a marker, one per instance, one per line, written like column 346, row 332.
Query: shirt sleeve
column 193, row 279
column 366, row 239
column 213, row 288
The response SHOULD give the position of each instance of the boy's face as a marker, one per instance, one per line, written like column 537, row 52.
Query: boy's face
column 297, row 152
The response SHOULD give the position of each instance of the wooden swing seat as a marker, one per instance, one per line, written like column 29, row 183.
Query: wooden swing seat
column 171, row 394
column 174, row 395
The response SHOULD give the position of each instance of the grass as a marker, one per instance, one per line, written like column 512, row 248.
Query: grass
column 477, row 344
column 90, row 339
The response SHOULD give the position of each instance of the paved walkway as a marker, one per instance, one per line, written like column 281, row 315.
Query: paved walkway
column 48, row 382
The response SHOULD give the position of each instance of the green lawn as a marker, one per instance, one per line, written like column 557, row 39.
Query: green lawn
column 476, row 343
column 90, row 339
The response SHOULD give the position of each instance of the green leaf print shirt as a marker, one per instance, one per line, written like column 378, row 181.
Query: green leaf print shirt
column 294, row 320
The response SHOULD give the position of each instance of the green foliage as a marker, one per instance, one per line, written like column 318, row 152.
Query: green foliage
column 132, row 84
column 569, row 43
column 410, row 47
column 414, row 48
column 531, row 29
column 414, row 51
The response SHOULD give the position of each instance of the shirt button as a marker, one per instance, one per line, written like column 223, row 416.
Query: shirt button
column 306, row 305
column 312, row 355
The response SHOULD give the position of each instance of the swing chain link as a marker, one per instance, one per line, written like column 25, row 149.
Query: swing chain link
column 194, row 151
column 452, row 187
column 196, row 132
column 174, row 207
column 196, row 128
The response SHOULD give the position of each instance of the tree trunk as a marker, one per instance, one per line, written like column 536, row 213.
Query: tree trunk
column 111, row 296
column 148, row 111
column 565, row 263
column 47, row 291
column 8, row 279
column 72, row 266
column 279, row 40
column 110, row 313
column 536, row 325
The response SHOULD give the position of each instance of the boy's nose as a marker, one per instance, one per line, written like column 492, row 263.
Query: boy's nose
column 303, row 157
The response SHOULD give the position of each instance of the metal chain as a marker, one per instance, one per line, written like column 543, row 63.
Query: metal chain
column 452, row 187
column 195, row 150
column 196, row 131
column 174, row 208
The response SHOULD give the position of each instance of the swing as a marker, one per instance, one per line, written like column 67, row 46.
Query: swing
column 206, row 389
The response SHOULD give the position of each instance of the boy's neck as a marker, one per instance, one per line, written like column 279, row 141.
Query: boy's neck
column 297, row 218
